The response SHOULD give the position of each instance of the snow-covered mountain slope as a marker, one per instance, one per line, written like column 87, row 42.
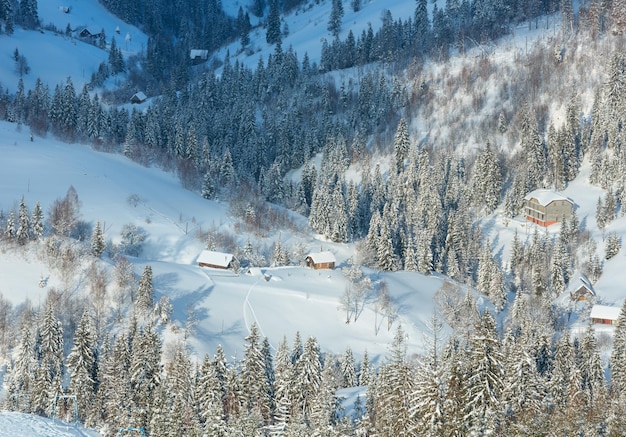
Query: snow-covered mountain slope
column 294, row 299
column 53, row 57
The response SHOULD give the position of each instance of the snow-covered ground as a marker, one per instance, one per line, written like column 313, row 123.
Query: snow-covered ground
column 54, row 57
column 294, row 299
column 14, row 424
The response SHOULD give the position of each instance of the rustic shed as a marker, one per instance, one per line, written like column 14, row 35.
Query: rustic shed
column 604, row 314
column 198, row 55
column 546, row 207
column 215, row 260
column 582, row 290
column 138, row 97
column 320, row 260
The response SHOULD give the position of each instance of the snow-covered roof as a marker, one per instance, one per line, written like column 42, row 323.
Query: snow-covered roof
column 140, row 96
column 545, row 196
column 215, row 258
column 198, row 53
column 322, row 257
column 605, row 312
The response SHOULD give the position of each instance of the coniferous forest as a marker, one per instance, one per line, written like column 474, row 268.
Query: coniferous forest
column 233, row 133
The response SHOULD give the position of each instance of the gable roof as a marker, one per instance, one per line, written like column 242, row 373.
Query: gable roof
column 215, row 258
column 605, row 312
column 545, row 196
column 322, row 257
column 198, row 53
column 139, row 96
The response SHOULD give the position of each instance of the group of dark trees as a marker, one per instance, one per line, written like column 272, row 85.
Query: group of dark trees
column 23, row 13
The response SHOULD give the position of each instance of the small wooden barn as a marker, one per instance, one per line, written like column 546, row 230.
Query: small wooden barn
column 198, row 56
column 320, row 260
column 582, row 290
column 215, row 260
column 138, row 97
column 604, row 314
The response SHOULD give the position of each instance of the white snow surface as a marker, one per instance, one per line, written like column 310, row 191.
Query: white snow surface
column 281, row 301
column 54, row 57
column 13, row 424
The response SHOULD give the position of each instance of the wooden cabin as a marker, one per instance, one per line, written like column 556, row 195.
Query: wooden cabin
column 604, row 314
column 582, row 290
column 215, row 260
column 138, row 97
column 320, row 260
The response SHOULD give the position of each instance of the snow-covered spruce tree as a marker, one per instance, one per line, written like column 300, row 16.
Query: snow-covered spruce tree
column 348, row 370
column 36, row 222
column 114, row 392
column 145, row 292
column 486, row 181
column 145, row 374
column 324, row 403
column 209, row 398
column 401, row 146
column 308, row 369
column 284, row 390
column 23, row 228
column 9, row 229
column 51, row 369
column 485, row 377
column 97, row 240
column 253, row 378
column 336, row 15
column 392, row 391
column 21, row 375
column 180, row 386
column 273, row 34
column 82, row 365
column 593, row 381
column 428, row 399
column 524, row 397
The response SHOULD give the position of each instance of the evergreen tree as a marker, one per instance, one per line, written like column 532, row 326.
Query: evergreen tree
column 145, row 291
column 82, row 364
column 97, row 241
column 21, row 376
column 348, row 370
column 255, row 387
column 210, row 407
column 22, row 235
column 394, row 384
column 51, row 369
column 273, row 35
column 9, row 230
column 401, row 144
column 309, row 375
column 336, row 15
column 485, row 378
column 145, row 374
column 36, row 222
column 28, row 15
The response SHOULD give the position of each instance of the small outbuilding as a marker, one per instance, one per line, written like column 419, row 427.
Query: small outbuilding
column 546, row 207
column 215, row 260
column 320, row 260
column 604, row 314
column 198, row 55
column 582, row 290
column 90, row 33
column 138, row 97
